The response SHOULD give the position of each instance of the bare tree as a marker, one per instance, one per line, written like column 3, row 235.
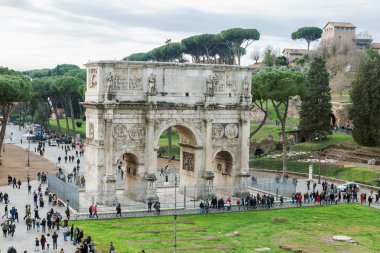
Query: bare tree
column 255, row 55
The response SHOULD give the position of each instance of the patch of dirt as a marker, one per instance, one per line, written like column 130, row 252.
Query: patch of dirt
column 221, row 247
column 279, row 220
column 291, row 249
column 153, row 223
column 14, row 160
column 204, row 239
column 196, row 229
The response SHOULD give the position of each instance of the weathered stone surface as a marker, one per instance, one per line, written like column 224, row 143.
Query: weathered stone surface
column 130, row 104
column 342, row 238
column 263, row 249
column 371, row 162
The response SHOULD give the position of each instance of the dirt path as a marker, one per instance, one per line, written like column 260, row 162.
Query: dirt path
column 13, row 163
column 162, row 162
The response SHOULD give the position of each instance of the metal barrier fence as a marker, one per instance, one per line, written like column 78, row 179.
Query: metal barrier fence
column 135, row 199
column 68, row 192
column 281, row 188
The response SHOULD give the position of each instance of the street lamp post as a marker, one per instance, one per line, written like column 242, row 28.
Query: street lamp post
column 173, row 170
column 28, row 137
column 318, row 138
column 28, row 152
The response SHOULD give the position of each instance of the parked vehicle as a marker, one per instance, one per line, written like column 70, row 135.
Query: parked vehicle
column 64, row 140
column 53, row 143
column 344, row 187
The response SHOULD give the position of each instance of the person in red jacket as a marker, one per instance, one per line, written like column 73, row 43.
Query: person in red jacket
column 95, row 212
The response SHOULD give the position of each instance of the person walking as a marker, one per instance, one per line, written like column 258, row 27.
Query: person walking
column 90, row 211
column 29, row 189
column 65, row 232
column 36, row 245
column 112, row 248
column 95, row 212
column 5, row 227
column 118, row 210
column 5, row 211
column 54, row 237
column 43, row 242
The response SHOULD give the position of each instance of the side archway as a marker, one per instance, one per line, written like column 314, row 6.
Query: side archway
column 223, row 165
column 129, row 170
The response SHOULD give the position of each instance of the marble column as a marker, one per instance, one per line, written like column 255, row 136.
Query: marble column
column 109, row 179
column 150, row 162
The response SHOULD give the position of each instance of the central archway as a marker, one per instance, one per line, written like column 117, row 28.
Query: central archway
column 190, row 156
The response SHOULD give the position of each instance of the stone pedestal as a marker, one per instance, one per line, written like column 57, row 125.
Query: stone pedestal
column 109, row 184
column 242, row 189
column 110, row 96
column 77, row 181
column 152, row 189
column 208, row 177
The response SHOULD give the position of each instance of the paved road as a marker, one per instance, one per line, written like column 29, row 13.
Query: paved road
column 51, row 153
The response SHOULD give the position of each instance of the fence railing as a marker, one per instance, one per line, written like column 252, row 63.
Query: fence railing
column 68, row 192
column 283, row 188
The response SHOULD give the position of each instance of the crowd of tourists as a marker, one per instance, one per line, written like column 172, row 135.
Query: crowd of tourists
column 46, row 229
column 72, row 155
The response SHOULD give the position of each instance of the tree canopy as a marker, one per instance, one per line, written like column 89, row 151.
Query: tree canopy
column 365, row 97
column 316, row 111
column 14, row 87
column 308, row 33
column 226, row 47
column 279, row 86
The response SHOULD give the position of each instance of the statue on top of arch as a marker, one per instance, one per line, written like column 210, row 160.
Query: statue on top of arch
column 152, row 90
column 110, row 83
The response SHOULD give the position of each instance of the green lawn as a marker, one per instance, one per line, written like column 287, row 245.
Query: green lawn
column 309, row 229
column 163, row 143
column 357, row 174
column 338, row 139
column 78, row 130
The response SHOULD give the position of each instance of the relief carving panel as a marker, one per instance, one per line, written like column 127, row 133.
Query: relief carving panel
column 135, row 79
column 188, row 161
column 121, row 79
column 129, row 135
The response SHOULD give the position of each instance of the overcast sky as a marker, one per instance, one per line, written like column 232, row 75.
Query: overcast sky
column 44, row 33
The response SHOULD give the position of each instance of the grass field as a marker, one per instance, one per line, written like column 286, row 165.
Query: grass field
column 308, row 229
column 78, row 130
column 163, row 143
column 357, row 174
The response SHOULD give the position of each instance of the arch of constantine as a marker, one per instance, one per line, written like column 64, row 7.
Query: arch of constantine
column 130, row 104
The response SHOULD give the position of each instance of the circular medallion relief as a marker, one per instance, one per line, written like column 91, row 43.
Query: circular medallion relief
column 231, row 131
column 136, row 132
column 217, row 131
column 119, row 131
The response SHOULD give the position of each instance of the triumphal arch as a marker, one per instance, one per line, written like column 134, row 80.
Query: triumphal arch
column 130, row 104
